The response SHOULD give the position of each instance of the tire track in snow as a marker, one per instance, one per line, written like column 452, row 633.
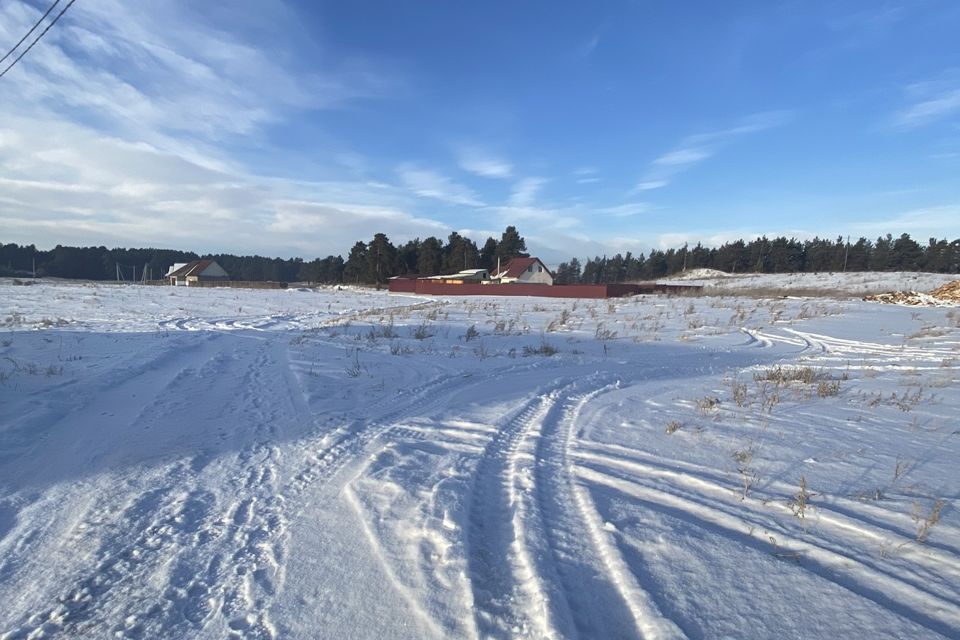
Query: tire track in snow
column 830, row 347
column 603, row 597
column 328, row 453
column 539, row 565
column 927, row 565
column 856, row 518
column 332, row 451
column 938, row 612
column 509, row 596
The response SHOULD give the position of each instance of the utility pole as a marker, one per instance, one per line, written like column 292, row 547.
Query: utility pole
column 846, row 252
column 118, row 271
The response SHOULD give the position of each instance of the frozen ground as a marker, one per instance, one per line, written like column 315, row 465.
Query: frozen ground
column 218, row 463
column 812, row 284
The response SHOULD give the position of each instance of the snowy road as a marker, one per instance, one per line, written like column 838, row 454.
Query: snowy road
column 298, row 464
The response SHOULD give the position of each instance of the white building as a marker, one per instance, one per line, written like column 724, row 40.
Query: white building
column 525, row 271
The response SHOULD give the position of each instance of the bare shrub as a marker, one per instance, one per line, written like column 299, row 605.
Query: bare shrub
column 397, row 348
column 799, row 503
column 707, row 404
column 784, row 375
column 354, row 368
column 673, row 426
column 544, row 349
column 901, row 468
column 603, row 334
column 739, row 390
column 926, row 523
column 748, row 477
column 423, row 331
column 826, row 388
column 471, row 333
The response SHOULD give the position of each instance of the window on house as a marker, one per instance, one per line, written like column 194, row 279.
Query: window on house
column 530, row 268
column 540, row 269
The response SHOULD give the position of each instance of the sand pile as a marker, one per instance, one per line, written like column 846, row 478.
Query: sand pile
column 947, row 295
column 949, row 292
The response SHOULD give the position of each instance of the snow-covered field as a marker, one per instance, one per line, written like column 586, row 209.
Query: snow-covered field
column 212, row 463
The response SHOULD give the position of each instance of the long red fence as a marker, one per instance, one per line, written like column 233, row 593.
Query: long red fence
column 433, row 288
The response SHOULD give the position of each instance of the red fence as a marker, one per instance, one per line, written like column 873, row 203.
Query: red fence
column 433, row 288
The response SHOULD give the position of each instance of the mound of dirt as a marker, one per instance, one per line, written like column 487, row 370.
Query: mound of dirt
column 949, row 292
column 947, row 295
column 912, row 298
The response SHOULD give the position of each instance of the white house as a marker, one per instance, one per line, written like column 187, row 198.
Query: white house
column 193, row 272
column 526, row 271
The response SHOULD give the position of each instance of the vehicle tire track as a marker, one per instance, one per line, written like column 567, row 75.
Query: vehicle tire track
column 602, row 596
column 509, row 596
column 937, row 612
column 329, row 452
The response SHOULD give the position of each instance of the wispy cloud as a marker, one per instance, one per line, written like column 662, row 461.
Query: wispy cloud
column 586, row 175
column 159, row 71
column 626, row 210
column 650, row 185
column 694, row 149
column 119, row 127
column 682, row 157
column 586, row 48
column 430, row 184
column 930, row 101
column 68, row 182
column 525, row 191
column 482, row 163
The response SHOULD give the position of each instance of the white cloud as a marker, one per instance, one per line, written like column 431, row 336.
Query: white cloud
column 586, row 175
column 430, row 184
column 650, row 185
column 484, row 164
column 525, row 191
column 626, row 210
column 694, row 149
column 682, row 157
column 65, row 183
column 932, row 107
column 157, row 70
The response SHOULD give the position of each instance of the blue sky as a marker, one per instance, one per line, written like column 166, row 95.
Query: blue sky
column 297, row 128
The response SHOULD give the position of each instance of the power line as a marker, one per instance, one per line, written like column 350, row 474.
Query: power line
column 32, row 29
column 37, row 39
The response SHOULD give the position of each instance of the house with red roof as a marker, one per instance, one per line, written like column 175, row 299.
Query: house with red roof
column 193, row 272
column 524, row 270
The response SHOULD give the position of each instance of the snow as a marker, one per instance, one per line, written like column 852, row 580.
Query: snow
column 212, row 463
column 814, row 284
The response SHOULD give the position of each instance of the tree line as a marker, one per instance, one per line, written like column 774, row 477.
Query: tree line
column 763, row 255
column 376, row 261
column 372, row 262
